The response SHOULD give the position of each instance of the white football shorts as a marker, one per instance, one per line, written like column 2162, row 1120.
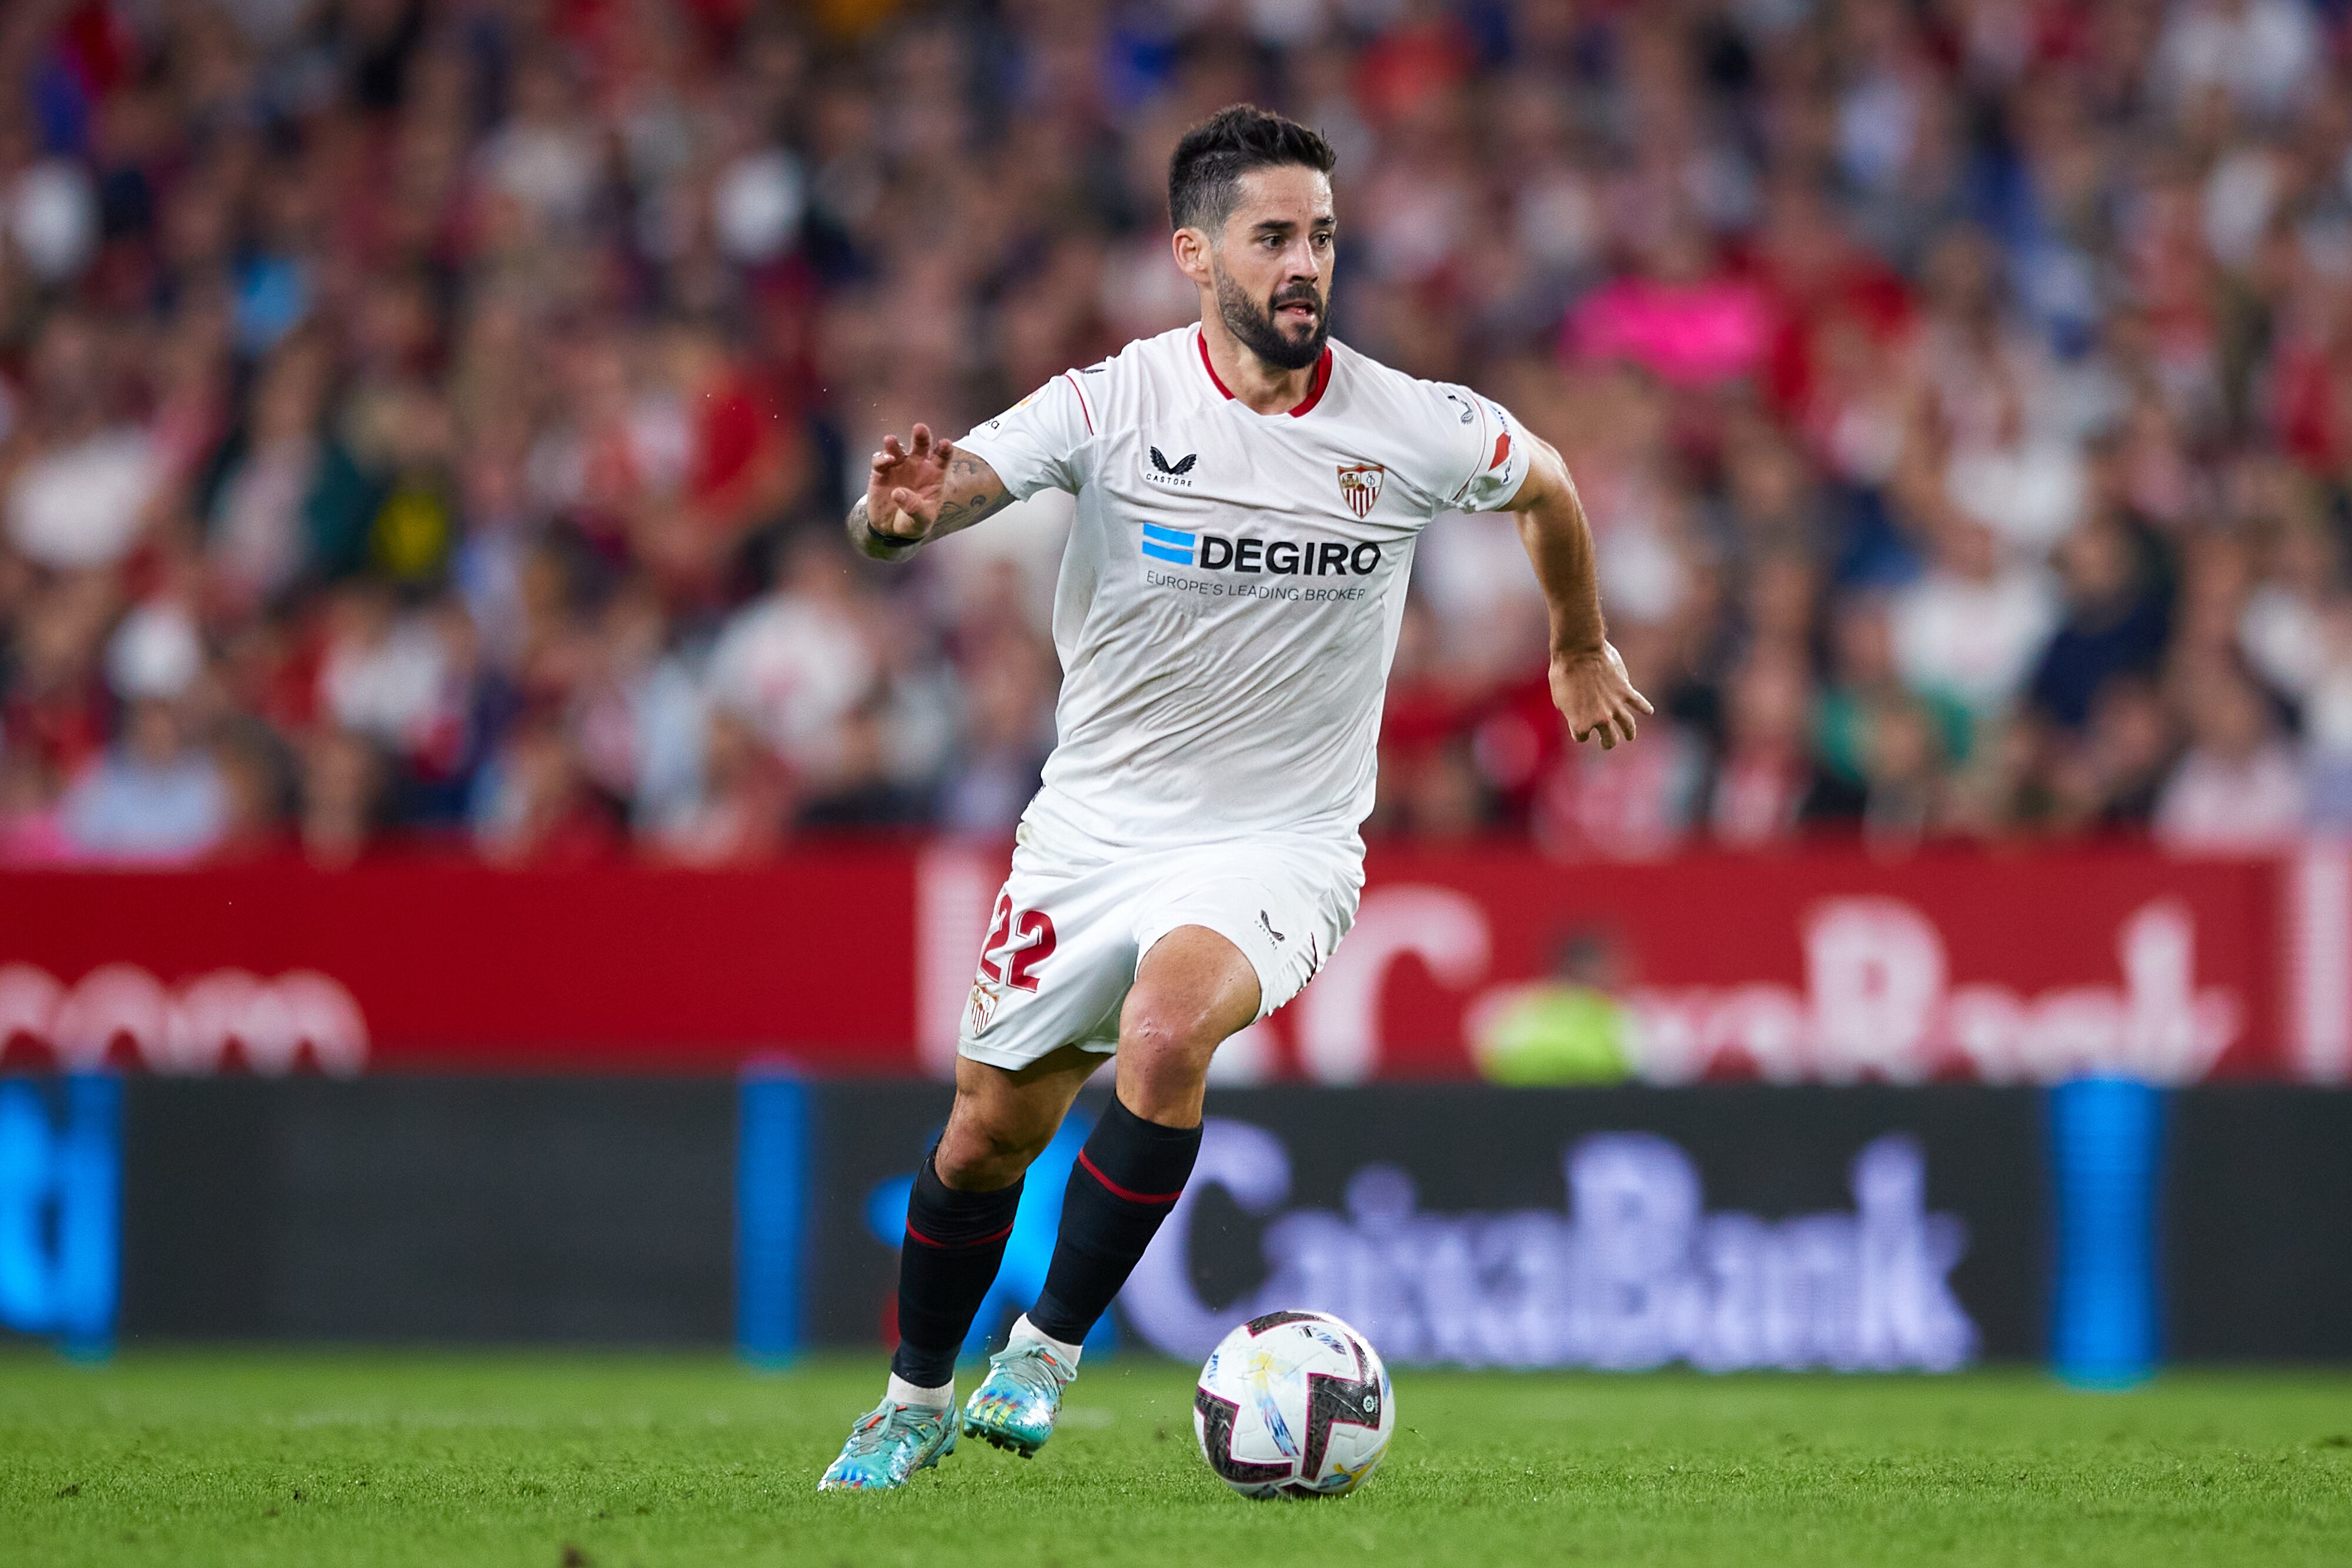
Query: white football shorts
column 1073, row 922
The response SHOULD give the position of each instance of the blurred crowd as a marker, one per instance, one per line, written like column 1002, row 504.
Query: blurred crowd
column 429, row 420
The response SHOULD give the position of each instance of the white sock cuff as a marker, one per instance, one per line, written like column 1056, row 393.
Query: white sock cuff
column 905, row 1393
column 1024, row 1329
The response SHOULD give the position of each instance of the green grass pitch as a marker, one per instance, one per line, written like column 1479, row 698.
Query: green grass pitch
column 543, row 1461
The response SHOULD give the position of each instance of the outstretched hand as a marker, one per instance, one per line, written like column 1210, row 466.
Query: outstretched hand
column 1596, row 697
column 904, row 492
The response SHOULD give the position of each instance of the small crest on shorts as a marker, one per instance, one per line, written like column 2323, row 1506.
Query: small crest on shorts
column 983, row 1006
column 1359, row 485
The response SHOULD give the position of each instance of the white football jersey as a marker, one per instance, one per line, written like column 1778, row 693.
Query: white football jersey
column 1231, row 592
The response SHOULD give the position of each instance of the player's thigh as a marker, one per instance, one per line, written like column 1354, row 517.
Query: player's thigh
column 1283, row 906
column 1193, row 991
column 1057, row 960
column 1003, row 1117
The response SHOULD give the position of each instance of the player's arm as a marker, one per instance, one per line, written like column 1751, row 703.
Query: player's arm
column 920, row 491
column 1589, row 685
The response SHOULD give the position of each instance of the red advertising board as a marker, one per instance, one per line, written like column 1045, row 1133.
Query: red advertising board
column 1825, row 965
column 454, row 966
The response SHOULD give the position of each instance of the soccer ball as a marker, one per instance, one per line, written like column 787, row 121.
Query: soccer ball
column 1294, row 1404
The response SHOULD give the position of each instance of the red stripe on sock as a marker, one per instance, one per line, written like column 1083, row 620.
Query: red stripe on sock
column 1118, row 1191
column 946, row 1246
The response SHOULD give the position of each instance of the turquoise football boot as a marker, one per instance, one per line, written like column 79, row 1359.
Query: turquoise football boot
column 1015, row 1405
column 889, row 1445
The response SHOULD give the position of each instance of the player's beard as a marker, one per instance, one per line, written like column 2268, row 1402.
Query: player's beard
column 1260, row 333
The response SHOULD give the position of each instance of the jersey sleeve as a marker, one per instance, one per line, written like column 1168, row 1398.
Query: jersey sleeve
column 1494, row 458
column 1039, row 443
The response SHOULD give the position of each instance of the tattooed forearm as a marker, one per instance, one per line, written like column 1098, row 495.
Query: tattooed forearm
column 969, row 509
column 967, row 491
column 973, row 491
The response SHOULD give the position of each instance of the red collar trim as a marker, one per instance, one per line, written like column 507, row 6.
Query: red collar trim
column 1201, row 341
column 1315, row 389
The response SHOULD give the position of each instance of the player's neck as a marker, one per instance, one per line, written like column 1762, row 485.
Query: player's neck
column 1250, row 380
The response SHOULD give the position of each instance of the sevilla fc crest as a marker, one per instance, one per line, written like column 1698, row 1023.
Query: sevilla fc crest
column 981, row 1010
column 1359, row 485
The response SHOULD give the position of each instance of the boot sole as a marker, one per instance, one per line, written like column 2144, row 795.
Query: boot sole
column 1005, row 1440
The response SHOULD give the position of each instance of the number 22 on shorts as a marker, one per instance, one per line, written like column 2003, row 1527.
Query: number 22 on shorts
column 1017, row 942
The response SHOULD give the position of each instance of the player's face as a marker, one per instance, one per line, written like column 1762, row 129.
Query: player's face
column 1272, row 266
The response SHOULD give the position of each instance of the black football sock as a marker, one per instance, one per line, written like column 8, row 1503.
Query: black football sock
column 955, row 1242
column 1127, row 1177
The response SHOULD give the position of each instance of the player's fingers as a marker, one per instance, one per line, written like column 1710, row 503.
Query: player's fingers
column 923, row 439
column 891, row 445
column 1625, row 721
column 943, row 451
column 1640, row 701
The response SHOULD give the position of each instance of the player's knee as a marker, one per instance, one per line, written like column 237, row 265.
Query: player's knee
column 977, row 1154
column 1193, row 990
column 1163, row 1061
column 1165, row 1036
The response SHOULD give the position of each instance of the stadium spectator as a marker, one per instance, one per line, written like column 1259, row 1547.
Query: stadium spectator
column 1904, row 801
column 1768, row 784
column 2237, row 786
column 32, row 827
column 2108, row 776
column 741, row 806
column 444, row 410
column 1864, row 683
column 1000, row 758
column 1972, row 625
column 2114, row 625
column 343, row 797
column 2327, row 720
column 151, row 797
column 81, row 473
column 531, row 805
column 797, row 665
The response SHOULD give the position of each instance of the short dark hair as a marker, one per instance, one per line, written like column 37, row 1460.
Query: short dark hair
column 1204, row 177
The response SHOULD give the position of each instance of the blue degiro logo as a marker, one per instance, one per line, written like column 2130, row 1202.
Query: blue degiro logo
column 1168, row 544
